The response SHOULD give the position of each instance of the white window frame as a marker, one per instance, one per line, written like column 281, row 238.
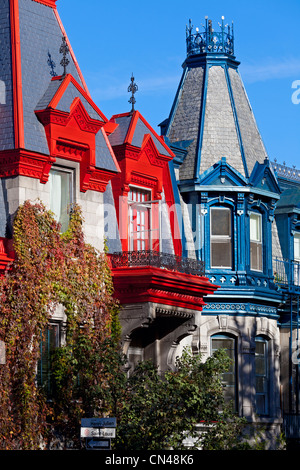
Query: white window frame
column 256, row 243
column 146, row 204
column 296, row 237
column 71, row 174
column 214, row 239
column 296, row 259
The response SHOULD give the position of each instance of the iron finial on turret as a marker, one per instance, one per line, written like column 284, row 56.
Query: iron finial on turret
column 210, row 41
column 64, row 50
column 133, row 88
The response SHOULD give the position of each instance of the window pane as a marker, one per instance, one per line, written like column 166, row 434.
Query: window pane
column 140, row 217
column 297, row 247
column 49, row 341
column 228, row 378
column 61, row 196
column 256, row 242
column 221, row 253
column 256, row 256
column 220, row 222
column 260, row 365
column 255, row 227
column 260, row 404
column 220, row 241
column 261, row 375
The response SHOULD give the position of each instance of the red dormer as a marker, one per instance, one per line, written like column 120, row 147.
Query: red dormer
column 144, row 178
column 71, row 134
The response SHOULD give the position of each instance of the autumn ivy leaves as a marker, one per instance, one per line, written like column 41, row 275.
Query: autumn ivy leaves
column 50, row 268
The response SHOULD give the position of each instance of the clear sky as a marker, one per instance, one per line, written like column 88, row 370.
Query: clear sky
column 112, row 40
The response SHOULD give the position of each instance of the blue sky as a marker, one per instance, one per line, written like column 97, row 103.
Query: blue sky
column 112, row 40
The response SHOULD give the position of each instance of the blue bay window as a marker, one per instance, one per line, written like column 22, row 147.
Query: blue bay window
column 220, row 238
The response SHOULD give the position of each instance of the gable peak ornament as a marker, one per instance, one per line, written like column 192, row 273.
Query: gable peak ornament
column 133, row 88
column 64, row 50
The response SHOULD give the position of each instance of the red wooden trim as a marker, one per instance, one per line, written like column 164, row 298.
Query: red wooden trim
column 151, row 284
column 17, row 74
column 48, row 3
column 159, row 138
column 71, row 51
column 110, row 127
column 72, row 136
column 23, row 162
column 103, row 129
column 62, row 88
column 131, row 128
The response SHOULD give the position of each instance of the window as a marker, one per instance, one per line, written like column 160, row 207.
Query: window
column 229, row 378
column 297, row 247
column 61, row 195
column 297, row 259
column 261, row 375
column 220, row 238
column 139, row 219
column 49, row 341
column 256, row 242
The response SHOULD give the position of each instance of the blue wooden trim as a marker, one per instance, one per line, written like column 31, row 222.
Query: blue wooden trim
column 178, row 206
column 236, row 122
column 201, row 124
column 176, row 101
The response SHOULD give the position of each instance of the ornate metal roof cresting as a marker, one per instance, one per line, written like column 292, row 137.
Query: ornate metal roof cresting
column 64, row 50
column 210, row 40
column 133, row 88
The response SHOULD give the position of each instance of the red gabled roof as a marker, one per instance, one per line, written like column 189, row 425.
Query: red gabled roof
column 135, row 117
column 65, row 81
column 48, row 3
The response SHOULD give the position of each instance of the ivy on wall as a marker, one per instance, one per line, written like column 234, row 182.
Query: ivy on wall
column 49, row 269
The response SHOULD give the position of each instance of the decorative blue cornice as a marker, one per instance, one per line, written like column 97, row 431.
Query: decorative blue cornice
column 210, row 41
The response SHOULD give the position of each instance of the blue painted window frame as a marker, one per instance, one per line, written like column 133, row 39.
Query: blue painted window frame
column 230, row 238
column 230, row 378
column 262, row 377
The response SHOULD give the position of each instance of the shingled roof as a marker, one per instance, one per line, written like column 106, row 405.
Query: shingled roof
column 32, row 33
column 212, row 112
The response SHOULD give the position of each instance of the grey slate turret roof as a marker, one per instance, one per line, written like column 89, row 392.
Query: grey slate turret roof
column 212, row 111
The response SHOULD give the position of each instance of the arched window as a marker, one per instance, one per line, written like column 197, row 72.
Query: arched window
column 220, row 237
column 227, row 343
column 261, row 375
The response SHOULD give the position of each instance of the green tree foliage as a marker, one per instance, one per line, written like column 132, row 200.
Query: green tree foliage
column 160, row 412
